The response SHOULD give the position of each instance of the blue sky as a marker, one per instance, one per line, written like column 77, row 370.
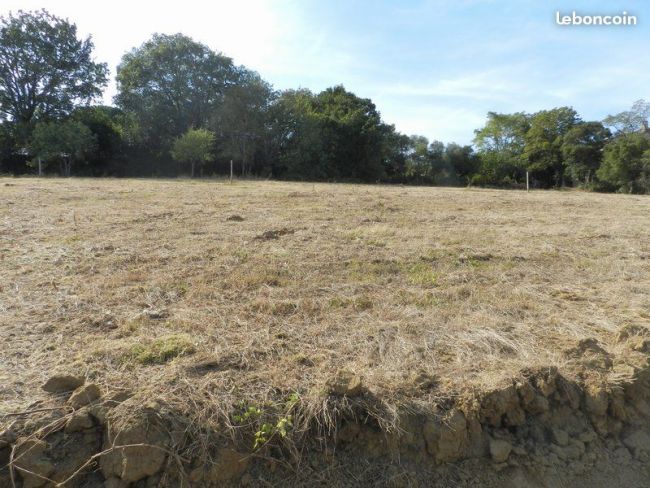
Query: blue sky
column 432, row 67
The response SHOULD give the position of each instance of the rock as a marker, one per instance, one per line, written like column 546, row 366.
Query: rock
column 235, row 218
column 588, row 436
column 446, row 441
column 345, row 383
column 80, row 420
column 622, row 456
column 84, row 395
column 538, row 405
column 132, row 464
column 500, row 450
column 637, row 441
column 560, row 437
column 99, row 412
column 62, row 383
column 496, row 403
column 229, row 466
column 31, row 455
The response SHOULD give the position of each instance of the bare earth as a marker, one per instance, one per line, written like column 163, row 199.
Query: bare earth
column 462, row 286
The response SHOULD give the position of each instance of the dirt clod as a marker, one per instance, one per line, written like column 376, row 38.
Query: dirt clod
column 84, row 395
column 500, row 450
column 62, row 383
column 80, row 420
column 32, row 455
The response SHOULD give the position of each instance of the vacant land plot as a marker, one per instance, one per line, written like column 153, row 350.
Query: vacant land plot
column 287, row 283
column 254, row 291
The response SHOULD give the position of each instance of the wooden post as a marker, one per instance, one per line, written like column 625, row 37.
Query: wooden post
column 40, row 167
column 527, row 182
column 231, row 171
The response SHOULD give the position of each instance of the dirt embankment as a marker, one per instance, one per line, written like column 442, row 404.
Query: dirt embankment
column 540, row 429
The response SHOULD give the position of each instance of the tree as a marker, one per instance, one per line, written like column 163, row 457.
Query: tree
column 500, row 144
column 332, row 135
column 242, row 120
column 582, row 150
column 108, row 125
column 194, row 148
column 352, row 133
column 629, row 121
column 459, row 164
column 543, row 143
column 418, row 162
column 67, row 142
column 172, row 83
column 45, row 70
column 626, row 164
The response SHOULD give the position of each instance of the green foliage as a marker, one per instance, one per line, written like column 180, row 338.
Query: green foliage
column 264, row 428
column 67, row 142
column 171, row 84
column 626, row 164
column 543, row 143
column 243, row 120
column 45, row 70
column 332, row 135
column 582, row 150
column 194, row 147
column 501, row 143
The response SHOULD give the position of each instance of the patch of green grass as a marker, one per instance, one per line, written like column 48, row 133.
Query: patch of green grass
column 422, row 274
column 161, row 350
column 374, row 270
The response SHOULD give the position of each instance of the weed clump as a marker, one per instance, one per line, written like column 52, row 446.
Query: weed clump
column 161, row 350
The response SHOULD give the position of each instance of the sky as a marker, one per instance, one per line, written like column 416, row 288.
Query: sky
column 432, row 67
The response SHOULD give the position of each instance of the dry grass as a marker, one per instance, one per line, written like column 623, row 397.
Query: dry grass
column 154, row 285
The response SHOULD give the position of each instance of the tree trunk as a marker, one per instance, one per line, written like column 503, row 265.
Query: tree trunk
column 192, row 174
column 40, row 167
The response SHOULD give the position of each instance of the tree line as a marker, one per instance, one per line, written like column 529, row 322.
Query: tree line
column 182, row 108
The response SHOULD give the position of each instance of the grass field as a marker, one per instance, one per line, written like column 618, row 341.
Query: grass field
column 258, row 289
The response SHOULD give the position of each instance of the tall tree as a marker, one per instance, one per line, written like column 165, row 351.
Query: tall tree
column 242, row 120
column 172, row 83
column 544, row 138
column 626, row 164
column 45, row 69
column 418, row 162
column 109, row 126
column 582, row 150
column 500, row 145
